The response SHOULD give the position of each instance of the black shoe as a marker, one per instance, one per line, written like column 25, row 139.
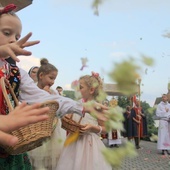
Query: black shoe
column 137, row 147
column 163, row 152
column 167, row 152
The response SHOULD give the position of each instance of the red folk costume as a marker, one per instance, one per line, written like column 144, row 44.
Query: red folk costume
column 138, row 111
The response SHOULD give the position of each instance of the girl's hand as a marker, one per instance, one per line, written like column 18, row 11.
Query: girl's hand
column 23, row 115
column 7, row 139
column 87, row 128
column 96, row 109
column 47, row 88
column 14, row 49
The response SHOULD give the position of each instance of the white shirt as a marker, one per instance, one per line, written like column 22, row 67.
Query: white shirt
column 30, row 93
column 161, row 112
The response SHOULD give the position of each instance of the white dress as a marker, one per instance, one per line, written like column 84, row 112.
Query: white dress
column 85, row 153
column 164, row 126
column 46, row 156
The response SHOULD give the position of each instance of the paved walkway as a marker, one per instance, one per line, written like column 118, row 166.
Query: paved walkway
column 148, row 159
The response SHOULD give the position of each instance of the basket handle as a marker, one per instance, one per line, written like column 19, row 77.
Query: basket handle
column 71, row 117
column 3, row 83
column 79, row 119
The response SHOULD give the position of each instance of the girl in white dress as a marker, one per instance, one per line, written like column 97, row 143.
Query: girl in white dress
column 47, row 155
column 85, row 153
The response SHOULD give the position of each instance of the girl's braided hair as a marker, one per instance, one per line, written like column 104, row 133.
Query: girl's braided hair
column 94, row 81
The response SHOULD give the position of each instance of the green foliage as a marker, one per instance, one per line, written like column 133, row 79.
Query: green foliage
column 149, row 113
column 123, row 101
column 69, row 94
column 125, row 74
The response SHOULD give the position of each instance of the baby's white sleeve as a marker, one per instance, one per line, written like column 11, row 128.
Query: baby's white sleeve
column 30, row 93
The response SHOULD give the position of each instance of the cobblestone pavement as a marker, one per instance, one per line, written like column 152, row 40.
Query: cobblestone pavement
column 149, row 158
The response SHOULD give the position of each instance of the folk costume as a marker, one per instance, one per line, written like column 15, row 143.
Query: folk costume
column 139, row 130
column 127, row 124
column 11, row 162
column 164, row 126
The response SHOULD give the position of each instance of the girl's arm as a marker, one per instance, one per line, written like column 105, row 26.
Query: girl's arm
column 100, row 129
column 30, row 93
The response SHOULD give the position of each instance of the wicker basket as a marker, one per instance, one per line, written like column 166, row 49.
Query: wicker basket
column 33, row 135
column 70, row 125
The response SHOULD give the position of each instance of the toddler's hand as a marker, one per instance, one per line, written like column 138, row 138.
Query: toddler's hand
column 23, row 115
column 14, row 49
column 86, row 128
column 47, row 88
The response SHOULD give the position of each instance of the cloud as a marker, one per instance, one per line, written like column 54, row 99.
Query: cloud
column 26, row 62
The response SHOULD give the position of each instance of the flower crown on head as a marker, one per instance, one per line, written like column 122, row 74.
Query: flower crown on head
column 97, row 76
column 7, row 9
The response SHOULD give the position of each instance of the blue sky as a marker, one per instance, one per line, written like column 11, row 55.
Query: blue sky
column 69, row 30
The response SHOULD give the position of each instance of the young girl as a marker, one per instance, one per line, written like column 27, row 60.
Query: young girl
column 10, row 29
column 85, row 153
column 24, row 87
column 46, row 156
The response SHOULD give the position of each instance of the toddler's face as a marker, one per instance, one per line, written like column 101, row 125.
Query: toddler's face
column 10, row 29
column 48, row 79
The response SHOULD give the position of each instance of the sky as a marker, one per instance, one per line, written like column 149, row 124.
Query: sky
column 69, row 30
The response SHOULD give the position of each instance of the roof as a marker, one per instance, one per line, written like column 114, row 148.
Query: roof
column 19, row 3
column 112, row 90
column 158, row 100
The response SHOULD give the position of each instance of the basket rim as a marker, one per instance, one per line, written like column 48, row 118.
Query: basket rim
column 49, row 102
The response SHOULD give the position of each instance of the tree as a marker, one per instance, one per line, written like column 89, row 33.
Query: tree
column 123, row 101
column 69, row 93
column 150, row 119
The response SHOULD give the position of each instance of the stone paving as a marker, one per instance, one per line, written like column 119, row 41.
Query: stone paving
column 149, row 158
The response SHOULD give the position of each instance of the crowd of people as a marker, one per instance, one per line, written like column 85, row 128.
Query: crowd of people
column 35, row 87
column 26, row 90
column 135, row 127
